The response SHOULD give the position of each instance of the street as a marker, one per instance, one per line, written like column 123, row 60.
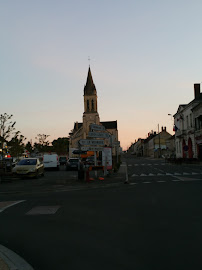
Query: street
column 152, row 223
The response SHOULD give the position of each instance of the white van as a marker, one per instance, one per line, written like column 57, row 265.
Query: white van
column 51, row 161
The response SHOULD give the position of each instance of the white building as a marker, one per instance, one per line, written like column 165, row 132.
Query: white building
column 188, row 127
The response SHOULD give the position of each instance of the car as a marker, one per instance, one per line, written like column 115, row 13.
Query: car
column 29, row 167
column 51, row 161
column 72, row 164
column 62, row 160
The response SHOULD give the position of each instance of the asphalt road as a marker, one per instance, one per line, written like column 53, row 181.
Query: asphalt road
column 156, row 225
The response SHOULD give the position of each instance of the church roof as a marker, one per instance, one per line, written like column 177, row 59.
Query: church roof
column 109, row 124
column 89, row 88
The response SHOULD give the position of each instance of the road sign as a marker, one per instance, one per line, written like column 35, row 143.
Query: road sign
column 98, row 135
column 91, row 148
column 92, row 142
column 97, row 127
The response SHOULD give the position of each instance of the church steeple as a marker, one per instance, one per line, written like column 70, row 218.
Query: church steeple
column 89, row 88
column 90, row 114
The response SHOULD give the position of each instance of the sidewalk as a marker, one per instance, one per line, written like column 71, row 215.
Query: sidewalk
column 9, row 260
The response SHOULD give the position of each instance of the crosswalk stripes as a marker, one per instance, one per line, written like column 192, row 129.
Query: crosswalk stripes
column 166, row 174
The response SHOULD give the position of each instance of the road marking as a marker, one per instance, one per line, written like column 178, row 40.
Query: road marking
column 143, row 174
column 162, row 181
column 134, row 175
column 194, row 173
column 177, row 173
column 184, row 173
column 146, row 182
column 133, row 183
column 151, row 174
column 160, row 174
column 168, row 173
column 5, row 205
column 43, row 210
column 176, row 180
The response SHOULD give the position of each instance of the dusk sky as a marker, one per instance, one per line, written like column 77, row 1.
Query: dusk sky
column 145, row 56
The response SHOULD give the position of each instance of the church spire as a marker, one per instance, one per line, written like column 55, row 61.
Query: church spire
column 89, row 88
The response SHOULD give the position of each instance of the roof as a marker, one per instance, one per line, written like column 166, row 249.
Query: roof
column 89, row 88
column 109, row 124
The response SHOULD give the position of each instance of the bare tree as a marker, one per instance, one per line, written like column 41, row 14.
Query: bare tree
column 7, row 127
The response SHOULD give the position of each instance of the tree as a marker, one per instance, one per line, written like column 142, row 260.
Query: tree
column 7, row 130
column 28, row 147
column 17, row 145
column 61, row 146
column 43, row 144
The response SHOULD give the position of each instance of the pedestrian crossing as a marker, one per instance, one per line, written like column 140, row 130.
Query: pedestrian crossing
column 166, row 174
column 146, row 164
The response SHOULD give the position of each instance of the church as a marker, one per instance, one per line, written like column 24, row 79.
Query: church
column 91, row 116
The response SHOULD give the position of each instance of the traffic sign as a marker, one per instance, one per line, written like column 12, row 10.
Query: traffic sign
column 98, row 135
column 92, row 142
column 97, row 127
column 91, row 148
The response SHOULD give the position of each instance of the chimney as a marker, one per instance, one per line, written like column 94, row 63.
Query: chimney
column 196, row 90
column 161, row 129
column 164, row 128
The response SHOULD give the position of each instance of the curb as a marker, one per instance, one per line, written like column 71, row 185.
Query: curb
column 9, row 260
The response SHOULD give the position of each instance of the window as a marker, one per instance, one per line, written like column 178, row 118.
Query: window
column 190, row 120
column 92, row 103
column 87, row 104
column 187, row 121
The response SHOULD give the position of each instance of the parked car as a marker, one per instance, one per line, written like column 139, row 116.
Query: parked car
column 72, row 164
column 63, row 160
column 29, row 167
column 51, row 161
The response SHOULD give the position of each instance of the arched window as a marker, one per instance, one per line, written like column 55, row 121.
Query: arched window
column 92, row 103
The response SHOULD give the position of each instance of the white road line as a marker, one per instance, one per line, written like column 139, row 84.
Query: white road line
column 146, row 182
column 43, row 210
column 176, row 180
column 162, row 181
column 177, row 173
column 134, row 175
column 143, row 174
column 151, row 174
column 159, row 174
column 5, row 205
column 184, row 173
column 133, row 183
column 169, row 174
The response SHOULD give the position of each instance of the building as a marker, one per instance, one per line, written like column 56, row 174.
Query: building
column 156, row 145
column 91, row 116
column 188, row 127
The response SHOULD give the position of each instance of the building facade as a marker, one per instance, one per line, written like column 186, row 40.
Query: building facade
column 188, row 127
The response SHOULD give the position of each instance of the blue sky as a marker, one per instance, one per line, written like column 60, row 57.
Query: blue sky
column 145, row 58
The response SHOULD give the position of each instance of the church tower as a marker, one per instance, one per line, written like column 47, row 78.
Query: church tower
column 90, row 115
